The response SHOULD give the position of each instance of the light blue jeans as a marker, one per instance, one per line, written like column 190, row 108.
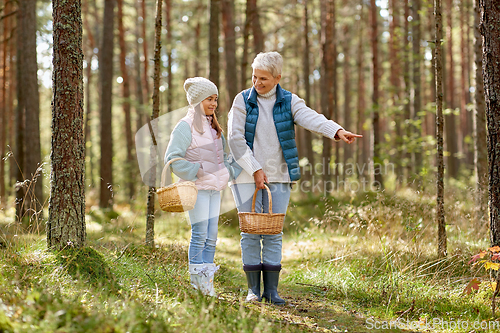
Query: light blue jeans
column 204, row 218
column 266, row 249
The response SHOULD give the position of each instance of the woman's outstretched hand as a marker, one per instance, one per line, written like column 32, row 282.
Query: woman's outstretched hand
column 347, row 137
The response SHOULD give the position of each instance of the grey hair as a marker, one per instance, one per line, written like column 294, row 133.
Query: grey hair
column 271, row 62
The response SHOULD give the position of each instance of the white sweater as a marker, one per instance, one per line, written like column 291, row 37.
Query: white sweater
column 267, row 154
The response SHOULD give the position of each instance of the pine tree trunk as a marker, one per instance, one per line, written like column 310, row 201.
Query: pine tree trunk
column 213, row 42
column 230, row 50
column 464, row 88
column 309, row 153
column 431, row 119
column 363, row 150
column 156, row 111
column 3, row 106
column 490, row 29
column 139, row 91
column 347, row 92
column 480, row 142
column 450, row 121
column 327, row 89
column 417, row 87
column 394, row 59
column 197, row 52
column 407, row 90
column 29, row 68
column 19, row 153
column 246, row 36
column 11, row 110
column 106, row 78
column 145, row 53
column 129, row 166
column 258, row 36
column 440, row 220
column 168, row 26
column 88, row 71
column 377, row 161
column 66, row 223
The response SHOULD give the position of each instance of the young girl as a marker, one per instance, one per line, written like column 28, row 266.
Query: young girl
column 198, row 139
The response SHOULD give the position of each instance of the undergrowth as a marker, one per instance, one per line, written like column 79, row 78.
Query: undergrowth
column 347, row 259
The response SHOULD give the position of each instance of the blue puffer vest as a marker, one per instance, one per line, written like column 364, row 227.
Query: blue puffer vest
column 283, row 120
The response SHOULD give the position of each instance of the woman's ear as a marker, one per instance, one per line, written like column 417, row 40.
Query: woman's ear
column 277, row 79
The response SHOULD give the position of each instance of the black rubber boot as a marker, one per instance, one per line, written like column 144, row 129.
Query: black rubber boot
column 271, row 276
column 253, row 273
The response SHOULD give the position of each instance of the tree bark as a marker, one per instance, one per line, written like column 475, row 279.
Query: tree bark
column 145, row 53
column 129, row 165
column 230, row 50
column 309, row 153
column 394, row 59
column 407, row 91
column 4, row 103
column 29, row 68
column 450, row 121
column 363, row 150
column 327, row 90
column 106, row 78
column 464, row 88
column 66, row 223
column 377, row 161
column 347, row 92
column 480, row 142
column 168, row 26
column 156, row 111
column 440, row 218
column 88, row 71
column 490, row 29
column 417, row 88
column 246, row 36
column 11, row 110
column 258, row 36
column 213, row 42
column 19, row 153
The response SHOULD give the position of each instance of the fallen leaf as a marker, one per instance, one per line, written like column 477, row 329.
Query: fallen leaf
column 478, row 256
column 492, row 265
column 494, row 249
column 473, row 284
column 493, row 286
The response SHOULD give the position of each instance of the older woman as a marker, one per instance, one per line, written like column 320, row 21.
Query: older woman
column 261, row 137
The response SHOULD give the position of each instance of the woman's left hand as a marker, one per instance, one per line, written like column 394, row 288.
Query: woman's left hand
column 347, row 137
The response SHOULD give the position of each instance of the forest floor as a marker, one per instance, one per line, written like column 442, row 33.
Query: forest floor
column 362, row 263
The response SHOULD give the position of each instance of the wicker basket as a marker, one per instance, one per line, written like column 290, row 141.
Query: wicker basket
column 178, row 197
column 261, row 223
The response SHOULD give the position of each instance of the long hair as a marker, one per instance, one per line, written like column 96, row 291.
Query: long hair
column 199, row 116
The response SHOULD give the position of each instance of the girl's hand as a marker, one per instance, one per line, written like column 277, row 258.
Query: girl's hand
column 347, row 137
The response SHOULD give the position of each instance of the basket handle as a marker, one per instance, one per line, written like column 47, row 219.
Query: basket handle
column 270, row 199
column 165, row 169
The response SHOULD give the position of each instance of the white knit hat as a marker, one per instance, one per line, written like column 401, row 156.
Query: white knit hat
column 199, row 88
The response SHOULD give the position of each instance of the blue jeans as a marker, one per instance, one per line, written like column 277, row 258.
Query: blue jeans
column 204, row 218
column 266, row 249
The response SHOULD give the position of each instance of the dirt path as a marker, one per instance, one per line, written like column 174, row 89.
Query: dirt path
column 307, row 308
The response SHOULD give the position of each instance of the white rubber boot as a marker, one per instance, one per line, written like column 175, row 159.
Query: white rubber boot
column 196, row 276
column 208, row 279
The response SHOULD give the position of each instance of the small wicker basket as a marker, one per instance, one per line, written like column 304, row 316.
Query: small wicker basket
column 178, row 197
column 261, row 223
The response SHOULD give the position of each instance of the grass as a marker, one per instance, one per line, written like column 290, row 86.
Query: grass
column 350, row 263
